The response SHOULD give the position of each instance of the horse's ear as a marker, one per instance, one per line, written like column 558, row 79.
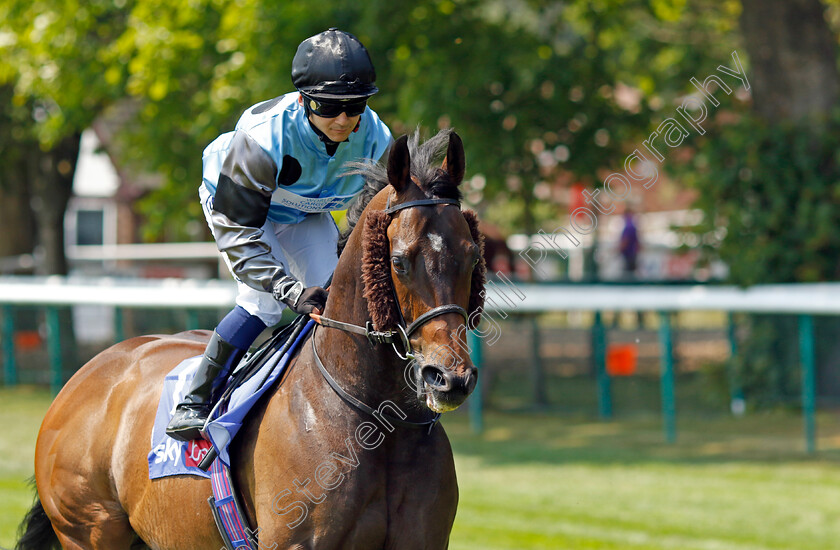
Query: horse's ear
column 455, row 163
column 399, row 165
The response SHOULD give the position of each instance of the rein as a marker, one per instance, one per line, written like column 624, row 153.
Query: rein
column 361, row 405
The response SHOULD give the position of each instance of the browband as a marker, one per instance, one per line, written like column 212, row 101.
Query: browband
column 423, row 202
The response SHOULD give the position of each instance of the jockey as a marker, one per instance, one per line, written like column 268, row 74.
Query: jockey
column 267, row 190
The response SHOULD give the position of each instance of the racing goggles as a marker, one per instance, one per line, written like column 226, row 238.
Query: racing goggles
column 332, row 110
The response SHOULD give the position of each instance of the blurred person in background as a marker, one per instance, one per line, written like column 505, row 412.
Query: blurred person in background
column 629, row 245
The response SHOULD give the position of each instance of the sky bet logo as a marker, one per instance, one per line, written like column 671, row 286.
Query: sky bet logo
column 194, row 451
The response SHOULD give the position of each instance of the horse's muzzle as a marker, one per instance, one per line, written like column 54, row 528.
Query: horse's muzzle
column 445, row 388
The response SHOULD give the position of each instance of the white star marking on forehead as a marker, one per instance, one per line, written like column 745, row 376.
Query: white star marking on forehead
column 436, row 240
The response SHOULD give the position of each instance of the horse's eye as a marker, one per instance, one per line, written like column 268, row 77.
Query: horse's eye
column 400, row 264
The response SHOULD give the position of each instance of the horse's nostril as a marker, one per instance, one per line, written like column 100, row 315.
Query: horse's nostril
column 436, row 378
column 471, row 380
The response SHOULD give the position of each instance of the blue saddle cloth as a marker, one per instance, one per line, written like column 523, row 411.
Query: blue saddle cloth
column 169, row 457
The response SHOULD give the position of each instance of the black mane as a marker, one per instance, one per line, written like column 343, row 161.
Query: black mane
column 426, row 159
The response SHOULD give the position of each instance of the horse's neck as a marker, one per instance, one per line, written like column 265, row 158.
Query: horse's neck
column 349, row 357
column 368, row 372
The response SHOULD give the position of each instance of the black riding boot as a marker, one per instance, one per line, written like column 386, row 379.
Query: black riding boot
column 191, row 413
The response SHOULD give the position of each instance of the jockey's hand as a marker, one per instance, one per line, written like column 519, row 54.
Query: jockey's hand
column 312, row 300
column 299, row 299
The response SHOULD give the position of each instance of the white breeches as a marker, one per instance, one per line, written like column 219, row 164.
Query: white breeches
column 307, row 250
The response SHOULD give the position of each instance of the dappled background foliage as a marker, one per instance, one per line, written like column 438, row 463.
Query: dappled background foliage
column 545, row 93
column 530, row 85
column 771, row 197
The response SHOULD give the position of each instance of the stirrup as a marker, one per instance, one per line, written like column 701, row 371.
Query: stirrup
column 195, row 414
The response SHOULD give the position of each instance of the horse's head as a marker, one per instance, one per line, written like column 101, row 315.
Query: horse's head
column 423, row 268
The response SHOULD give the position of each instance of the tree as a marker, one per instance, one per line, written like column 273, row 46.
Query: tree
column 793, row 56
column 767, row 176
column 53, row 69
column 530, row 86
column 15, row 194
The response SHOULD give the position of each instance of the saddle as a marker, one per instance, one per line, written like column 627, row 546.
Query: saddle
column 279, row 343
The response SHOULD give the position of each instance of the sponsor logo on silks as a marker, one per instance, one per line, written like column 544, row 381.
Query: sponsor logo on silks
column 292, row 200
column 167, row 451
column 336, row 204
column 195, row 451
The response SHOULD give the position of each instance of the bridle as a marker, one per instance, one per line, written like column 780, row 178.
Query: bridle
column 403, row 330
column 402, row 333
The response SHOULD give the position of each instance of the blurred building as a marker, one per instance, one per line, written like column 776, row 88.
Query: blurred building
column 102, row 227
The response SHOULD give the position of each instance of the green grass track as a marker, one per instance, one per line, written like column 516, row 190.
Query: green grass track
column 543, row 481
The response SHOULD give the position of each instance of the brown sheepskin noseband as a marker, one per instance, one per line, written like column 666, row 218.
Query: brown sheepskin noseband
column 376, row 272
column 479, row 272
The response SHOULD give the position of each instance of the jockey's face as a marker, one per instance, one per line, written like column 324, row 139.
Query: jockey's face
column 338, row 128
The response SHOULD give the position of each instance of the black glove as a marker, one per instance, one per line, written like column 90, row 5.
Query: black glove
column 299, row 299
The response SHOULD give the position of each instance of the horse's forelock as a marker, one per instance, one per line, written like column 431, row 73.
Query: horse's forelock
column 426, row 165
column 442, row 187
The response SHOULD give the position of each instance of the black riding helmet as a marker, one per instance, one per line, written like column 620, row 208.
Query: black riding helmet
column 333, row 66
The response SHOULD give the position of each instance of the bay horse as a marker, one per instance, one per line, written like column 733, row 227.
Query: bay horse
column 377, row 485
